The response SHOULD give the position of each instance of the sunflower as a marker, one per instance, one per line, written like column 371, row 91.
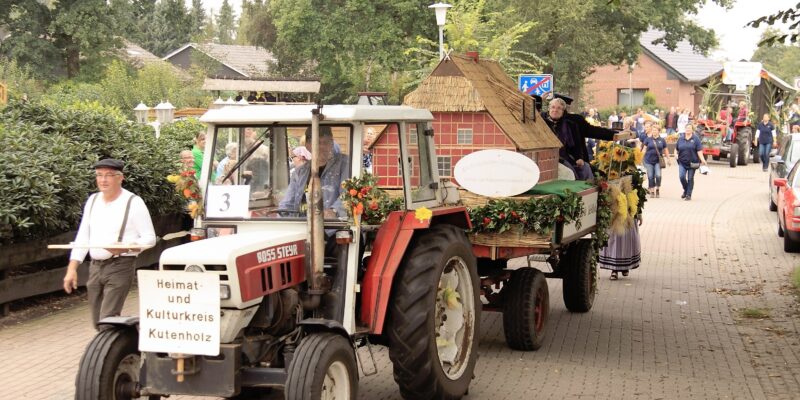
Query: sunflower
column 619, row 154
column 613, row 175
column 604, row 157
column 603, row 145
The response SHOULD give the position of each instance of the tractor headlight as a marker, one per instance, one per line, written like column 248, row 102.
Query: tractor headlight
column 194, row 268
column 224, row 292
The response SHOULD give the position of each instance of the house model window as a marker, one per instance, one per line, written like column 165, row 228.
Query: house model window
column 464, row 136
column 412, row 134
column 443, row 164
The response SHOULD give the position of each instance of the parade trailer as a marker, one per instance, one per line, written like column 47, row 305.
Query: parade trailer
column 271, row 296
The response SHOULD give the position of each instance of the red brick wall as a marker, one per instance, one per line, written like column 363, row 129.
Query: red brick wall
column 485, row 135
column 600, row 90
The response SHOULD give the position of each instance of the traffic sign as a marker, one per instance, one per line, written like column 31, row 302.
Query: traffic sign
column 537, row 84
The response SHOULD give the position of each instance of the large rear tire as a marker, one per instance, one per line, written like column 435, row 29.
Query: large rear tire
column 323, row 367
column 578, row 288
column 109, row 368
column 435, row 316
column 733, row 154
column 789, row 245
column 744, row 148
column 526, row 305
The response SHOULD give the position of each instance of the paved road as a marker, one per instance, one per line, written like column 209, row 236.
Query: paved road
column 672, row 330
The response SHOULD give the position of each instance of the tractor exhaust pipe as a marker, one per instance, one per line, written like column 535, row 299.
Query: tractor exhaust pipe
column 316, row 233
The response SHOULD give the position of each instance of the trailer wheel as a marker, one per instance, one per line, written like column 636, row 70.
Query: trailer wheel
column 526, row 305
column 434, row 316
column 732, row 155
column 323, row 367
column 578, row 288
column 744, row 147
column 109, row 368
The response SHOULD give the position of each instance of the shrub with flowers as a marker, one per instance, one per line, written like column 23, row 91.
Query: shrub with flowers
column 186, row 185
column 365, row 202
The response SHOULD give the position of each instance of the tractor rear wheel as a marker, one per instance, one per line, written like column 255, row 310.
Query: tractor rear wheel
column 526, row 305
column 109, row 368
column 789, row 245
column 744, row 149
column 435, row 316
column 323, row 367
column 732, row 155
column 578, row 288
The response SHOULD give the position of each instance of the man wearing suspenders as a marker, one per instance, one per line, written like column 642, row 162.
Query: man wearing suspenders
column 111, row 216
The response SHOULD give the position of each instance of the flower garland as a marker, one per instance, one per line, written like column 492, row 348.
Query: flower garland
column 536, row 214
column 365, row 202
column 186, row 186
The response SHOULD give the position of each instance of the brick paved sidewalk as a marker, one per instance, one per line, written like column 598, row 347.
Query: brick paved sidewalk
column 671, row 330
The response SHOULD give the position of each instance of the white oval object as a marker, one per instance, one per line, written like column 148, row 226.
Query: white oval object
column 496, row 173
column 564, row 173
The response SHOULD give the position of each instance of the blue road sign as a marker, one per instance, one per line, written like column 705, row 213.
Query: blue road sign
column 536, row 84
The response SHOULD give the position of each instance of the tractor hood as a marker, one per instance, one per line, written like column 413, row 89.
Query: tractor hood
column 224, row 250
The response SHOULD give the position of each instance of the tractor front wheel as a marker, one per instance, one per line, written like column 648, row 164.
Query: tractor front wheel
column 435, row 316
column 109, row 368
column 323, row 368
column 744, row 148
column 732, row 155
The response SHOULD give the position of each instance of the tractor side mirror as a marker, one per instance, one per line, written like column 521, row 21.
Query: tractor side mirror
column 779, row 182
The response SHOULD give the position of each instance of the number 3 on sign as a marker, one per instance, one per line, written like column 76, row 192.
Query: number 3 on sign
column 226, row 201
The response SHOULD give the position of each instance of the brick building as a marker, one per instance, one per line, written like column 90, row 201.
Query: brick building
column 672, row 76
column 475, row 106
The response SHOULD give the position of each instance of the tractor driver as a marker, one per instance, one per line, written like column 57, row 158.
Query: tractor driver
column 334, row 168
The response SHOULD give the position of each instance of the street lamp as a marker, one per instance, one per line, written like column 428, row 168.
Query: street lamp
column 141, row 113
column 441, row 18
column 164, row 112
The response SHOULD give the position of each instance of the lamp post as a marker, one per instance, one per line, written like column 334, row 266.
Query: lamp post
column 141, row 113
column 441, row 18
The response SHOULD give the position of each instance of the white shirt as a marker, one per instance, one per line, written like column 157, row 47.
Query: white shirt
column 101, row 222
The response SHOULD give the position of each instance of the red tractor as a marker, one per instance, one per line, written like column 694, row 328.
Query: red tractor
column 737, row 145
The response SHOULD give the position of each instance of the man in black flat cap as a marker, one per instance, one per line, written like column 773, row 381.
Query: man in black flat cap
column 111, row 216
column 572, row 130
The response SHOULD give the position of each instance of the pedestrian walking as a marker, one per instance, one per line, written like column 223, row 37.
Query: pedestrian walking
column 765, row 128
column 690, row 157
column 654, row 146
column 683, row 119
column 111, row 216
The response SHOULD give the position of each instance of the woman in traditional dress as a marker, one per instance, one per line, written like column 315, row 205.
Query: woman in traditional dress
column 624, row 250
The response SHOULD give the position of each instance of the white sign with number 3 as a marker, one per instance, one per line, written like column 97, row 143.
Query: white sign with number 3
column 228, row 201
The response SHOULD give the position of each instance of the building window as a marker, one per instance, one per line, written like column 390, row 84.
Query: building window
column 412, row 134
column 624, row 99
column 464, row 136
column 443, row 164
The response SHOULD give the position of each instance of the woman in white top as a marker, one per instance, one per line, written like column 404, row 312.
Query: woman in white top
column 683, row 119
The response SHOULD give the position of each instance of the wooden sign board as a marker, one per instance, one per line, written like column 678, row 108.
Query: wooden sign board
column 496, row 173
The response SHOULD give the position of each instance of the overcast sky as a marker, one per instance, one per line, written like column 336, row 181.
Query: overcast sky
column 736, row 41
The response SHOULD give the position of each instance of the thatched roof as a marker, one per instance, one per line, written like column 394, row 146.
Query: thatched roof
column 461, row 84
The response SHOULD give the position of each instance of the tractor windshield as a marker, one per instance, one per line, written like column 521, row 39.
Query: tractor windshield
column 261, row 172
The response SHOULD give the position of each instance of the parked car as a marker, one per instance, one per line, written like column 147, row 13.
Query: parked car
column 781, row 164
column 789, row 209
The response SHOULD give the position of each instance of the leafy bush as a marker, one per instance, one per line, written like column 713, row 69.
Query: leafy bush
column 47, row 156
column 19, row 79
column 179, row 135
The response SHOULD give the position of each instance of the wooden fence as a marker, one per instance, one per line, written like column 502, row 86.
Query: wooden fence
column 51, row 279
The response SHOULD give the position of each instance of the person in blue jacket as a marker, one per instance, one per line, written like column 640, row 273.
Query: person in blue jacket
column 653, row 145
column 765, row 128
column 690, row 157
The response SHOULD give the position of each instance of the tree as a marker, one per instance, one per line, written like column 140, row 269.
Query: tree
column 778, row 58
column 226, row 24
column 574, row 36
column 255, row 24
column 64, row 35
column 789, row 16
column 169, row 28
column 197, row 16
column 359, row 44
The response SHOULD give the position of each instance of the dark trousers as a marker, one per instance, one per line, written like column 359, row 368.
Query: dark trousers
column 687, row 178
column 108, row 285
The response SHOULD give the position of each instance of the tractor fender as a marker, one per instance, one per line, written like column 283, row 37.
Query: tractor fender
column 388, row 250
column 322, row 324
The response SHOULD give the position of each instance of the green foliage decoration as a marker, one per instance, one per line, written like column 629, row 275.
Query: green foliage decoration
column 536, row 214
column 48, row 151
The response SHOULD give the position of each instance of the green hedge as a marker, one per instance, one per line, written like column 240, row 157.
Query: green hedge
column 47, row 154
